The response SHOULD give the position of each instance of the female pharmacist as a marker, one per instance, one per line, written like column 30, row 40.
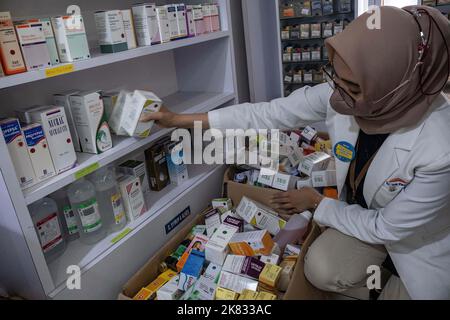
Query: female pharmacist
column 385, row 103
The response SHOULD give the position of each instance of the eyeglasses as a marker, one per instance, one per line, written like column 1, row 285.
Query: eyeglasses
column 346, row 97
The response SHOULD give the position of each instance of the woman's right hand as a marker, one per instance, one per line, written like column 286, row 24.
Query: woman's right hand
column 164, row 118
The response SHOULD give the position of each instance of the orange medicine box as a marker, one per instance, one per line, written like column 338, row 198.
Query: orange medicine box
column 251, row 244
column 149, row 291
column 10, row 54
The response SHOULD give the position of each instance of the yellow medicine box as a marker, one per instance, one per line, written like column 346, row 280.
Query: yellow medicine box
column 248, row 295
column 225, row 294
column 143, row 294
column 265, row 296
column 270, row 275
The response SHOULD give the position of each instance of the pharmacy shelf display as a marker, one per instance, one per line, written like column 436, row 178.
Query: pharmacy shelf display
column 304, row 26
column 195, row 74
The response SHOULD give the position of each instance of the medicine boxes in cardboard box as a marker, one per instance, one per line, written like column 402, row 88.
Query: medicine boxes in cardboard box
column 299, row 288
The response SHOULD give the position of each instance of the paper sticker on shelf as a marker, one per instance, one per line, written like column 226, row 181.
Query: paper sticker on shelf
column 59, row 70
column 121, row 235
column 86, row 171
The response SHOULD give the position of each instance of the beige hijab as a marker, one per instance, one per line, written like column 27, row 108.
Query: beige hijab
column 379, row 61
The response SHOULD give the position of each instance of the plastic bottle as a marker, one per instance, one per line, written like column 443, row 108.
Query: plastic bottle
column 294, row 230
column 66, row 215
column 109, row 199
column 83, row 199
column 44, row 214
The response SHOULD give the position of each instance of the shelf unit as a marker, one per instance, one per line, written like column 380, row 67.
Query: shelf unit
column 191, row 75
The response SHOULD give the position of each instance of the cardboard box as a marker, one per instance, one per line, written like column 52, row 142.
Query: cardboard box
column 158, row 172
column 128, row 25
column 110, row 31
column 217, row 248
column 197, row 13
column 299, row 288
column 63, row 100
column 57, row 131
column 173, row 21
column 190, row 21
column 133, row 198
column 181, row 21
column 163, row 23
column 146, row 24
column 39, row 152
column 33, row 45
column 18, row 152
column 90, row 121
column 136, row 169
column 70, row 36
column 10, row 54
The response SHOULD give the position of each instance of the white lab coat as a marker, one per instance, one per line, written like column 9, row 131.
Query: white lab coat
column 412, row 220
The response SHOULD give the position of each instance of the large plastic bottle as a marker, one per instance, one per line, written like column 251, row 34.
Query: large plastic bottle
column 109, row 199
column 294, row 230
column 83, row 199
column 67, row 215
column 44, row 214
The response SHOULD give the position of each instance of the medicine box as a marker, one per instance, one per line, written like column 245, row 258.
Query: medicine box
column 173, row 21
column 146, row 24
column 260, row 216
column 110, row 31
column 163, row 23
column 50, row 40
column 234, row 222
column 10, row 54
column 142, row 103
column 57, row 131
column 70, row 36
column 18, row 152
column 90, row 121
column 215, row 18
column 136, row 169
column 198, row 244
column 178, row 172
column 207, row 18
column 181, row 21
column 109, row 102
column 236, row 283
column 308, row 135
column 128, row 25
column 25, row 114
column 212, row 272
column 2, row 74
column 225, row 294
column 39, row 152
column 63, row 100
column 217, row 247
column 170, row 290
column 203, row 290
column 250, row 244
column 190, row 21
column 246, row 266
column 191, row 270
column 158, row 172
column 326, row 178
column 316, row 161
column 133, row 198
column 223, row 204
column 212, row 221
column 270, row 275
column 197, row 13
column 34, row 45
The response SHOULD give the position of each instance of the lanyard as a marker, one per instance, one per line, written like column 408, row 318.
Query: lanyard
column 356, row 181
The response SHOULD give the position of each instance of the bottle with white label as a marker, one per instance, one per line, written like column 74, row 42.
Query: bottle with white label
column 67, row 215
column 109, row 199
column 83, row 199
column 44, row 214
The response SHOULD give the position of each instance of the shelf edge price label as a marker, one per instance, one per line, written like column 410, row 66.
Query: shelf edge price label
column 86, row 171
column 59, row 70
column 121, row 235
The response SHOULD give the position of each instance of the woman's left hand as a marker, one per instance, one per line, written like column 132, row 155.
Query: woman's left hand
column 296, row 201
